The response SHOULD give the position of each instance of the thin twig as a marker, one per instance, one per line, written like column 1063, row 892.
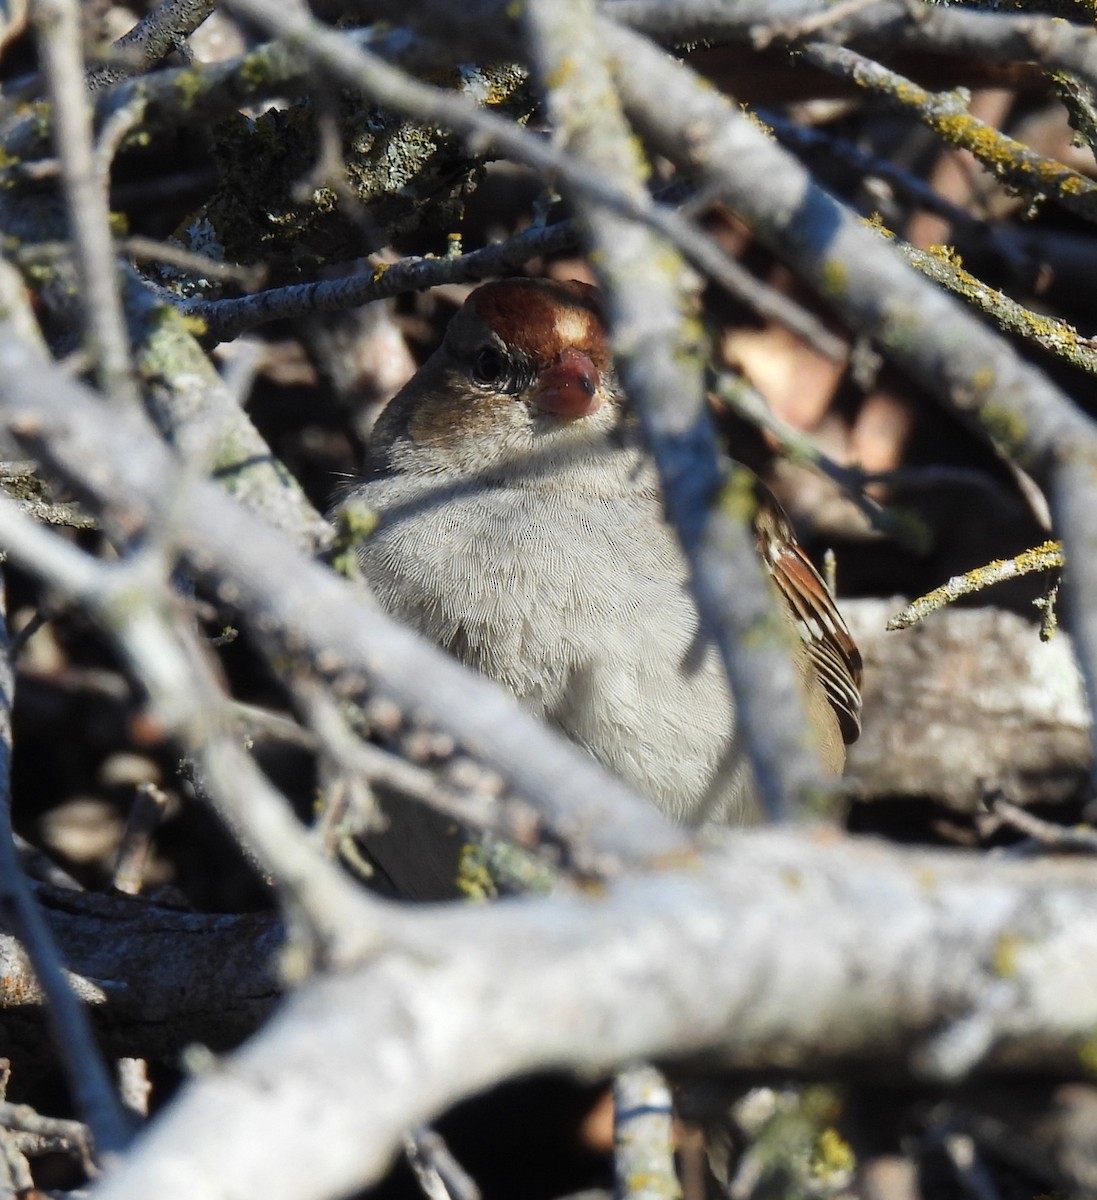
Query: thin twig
column 643, row 1136
column 156, row 35
column 145, row 249
column 58, row 26
column 227, row 319
column 1045, row 833
column 120, row 123
column 134, row 1085
column 1046, row 557
column 440, row 1175
column 974, row 1175
column 974, row 34
column 820, row 144
column 801, row 26
column 1049, row 333
column 72, row 1135
column 133, row 604
column 18, row 640
column 741, row 397
column 946, row 114
column 950, row 1053
column 146, row 812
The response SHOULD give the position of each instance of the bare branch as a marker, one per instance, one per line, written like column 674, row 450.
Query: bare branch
column 1048, row 557
column 154, row 979
column 440, row 1175
column 745, row 400
column 156, row 35
column 969, row 700
column 226, row 319
column 1045, row 835
column 773, row 948
column 946, row 114
column 643, row 1136
column 194, row 407
column 58, row 25
column 1056, row 337
column 133, row 604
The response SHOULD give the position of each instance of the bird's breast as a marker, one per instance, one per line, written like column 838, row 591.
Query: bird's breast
column 578, row 605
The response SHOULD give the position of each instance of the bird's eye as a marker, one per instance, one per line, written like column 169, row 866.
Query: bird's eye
column 489, row 366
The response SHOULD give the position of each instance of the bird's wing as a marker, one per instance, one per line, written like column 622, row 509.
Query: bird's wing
column 830, row 645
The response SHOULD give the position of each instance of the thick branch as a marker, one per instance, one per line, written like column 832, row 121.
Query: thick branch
column 968, row 702
column 154, row 979
column 774, row 955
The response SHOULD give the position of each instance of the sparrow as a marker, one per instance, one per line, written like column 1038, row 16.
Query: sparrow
column 520, row 526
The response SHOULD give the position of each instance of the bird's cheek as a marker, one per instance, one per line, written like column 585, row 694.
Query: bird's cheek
column 446, row 420
column 569, row 388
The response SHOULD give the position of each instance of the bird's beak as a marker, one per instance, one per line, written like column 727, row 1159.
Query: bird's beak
column 569, row 388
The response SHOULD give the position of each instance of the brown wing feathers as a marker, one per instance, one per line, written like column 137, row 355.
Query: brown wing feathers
column 830, row 644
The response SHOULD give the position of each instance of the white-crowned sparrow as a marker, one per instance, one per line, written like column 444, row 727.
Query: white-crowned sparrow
column 521, row 527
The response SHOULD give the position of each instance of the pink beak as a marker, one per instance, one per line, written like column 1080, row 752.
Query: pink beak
column 569, row 388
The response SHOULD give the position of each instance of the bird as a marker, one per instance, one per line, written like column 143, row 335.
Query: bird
column 520, row 525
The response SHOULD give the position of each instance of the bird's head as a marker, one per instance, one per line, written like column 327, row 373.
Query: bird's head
column 524, row 381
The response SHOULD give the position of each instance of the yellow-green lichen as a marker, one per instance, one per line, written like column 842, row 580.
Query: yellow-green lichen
column 355, row 521
column 1087, row 1054
column 1003, row 426
column 835, row 277
column 875, row 222
column 832, row 1156
column 983, row 379
column 902, row 329
column 1006, row 951
column 737, row 498
column 926, row 879
column 325, row 200
column 640, row 161
column 641, row 1183
column 41, row 118
column 255, row 71
column 563, row 72
column 947, row 254
column 757, row 121
column 189, row 85
column 474, row 879
column 195, row 326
